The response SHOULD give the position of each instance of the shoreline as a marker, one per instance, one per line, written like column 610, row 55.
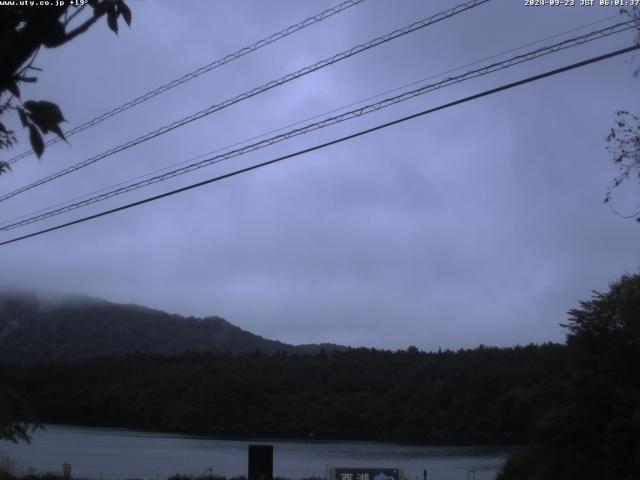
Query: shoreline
column 297, row 440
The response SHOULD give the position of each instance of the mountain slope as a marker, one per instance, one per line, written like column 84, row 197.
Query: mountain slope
column 33, row 329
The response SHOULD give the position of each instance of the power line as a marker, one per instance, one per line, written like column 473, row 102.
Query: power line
column 332, row 142
column 200, row 71
column 263, row 88
column 525, row 57
column 332, row 120
column 334, row 110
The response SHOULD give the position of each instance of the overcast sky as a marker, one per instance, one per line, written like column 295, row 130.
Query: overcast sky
column 482, row 223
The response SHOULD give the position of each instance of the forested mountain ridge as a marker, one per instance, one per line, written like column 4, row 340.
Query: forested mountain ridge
column 35, row 329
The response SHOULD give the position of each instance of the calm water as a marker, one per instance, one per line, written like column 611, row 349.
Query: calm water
column 113, row 454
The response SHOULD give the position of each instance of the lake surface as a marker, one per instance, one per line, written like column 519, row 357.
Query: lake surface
column 112, row 454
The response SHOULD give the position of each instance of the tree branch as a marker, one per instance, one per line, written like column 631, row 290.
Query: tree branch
column 73, row 15
column 80, row 29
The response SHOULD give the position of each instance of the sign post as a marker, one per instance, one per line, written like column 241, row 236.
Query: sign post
column 66, row 470
column 260, row 462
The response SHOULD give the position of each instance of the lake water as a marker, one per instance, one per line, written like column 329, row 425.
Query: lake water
column 112, row 454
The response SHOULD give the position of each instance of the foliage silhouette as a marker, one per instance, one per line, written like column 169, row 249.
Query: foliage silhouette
column 623, row 141
column 24, row 30
column 593, row 429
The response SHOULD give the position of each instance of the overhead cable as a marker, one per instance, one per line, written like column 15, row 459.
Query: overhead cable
column 307, row 119
column 332, row 142
column 370, row 108
column 200, row 71
column 263, row 88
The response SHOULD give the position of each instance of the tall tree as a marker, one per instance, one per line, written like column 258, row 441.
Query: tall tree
column 593, row 430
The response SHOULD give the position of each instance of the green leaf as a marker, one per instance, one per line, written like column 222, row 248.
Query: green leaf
column 46, row 115
column 23, row 117
column 112, row 20
column 58, row 131
column 36, row 140
column 125, row 12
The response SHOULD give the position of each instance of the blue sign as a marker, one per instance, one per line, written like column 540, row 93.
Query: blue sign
column 368, row 474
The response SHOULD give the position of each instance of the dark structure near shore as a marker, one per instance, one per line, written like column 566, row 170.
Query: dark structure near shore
column 260, row 462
